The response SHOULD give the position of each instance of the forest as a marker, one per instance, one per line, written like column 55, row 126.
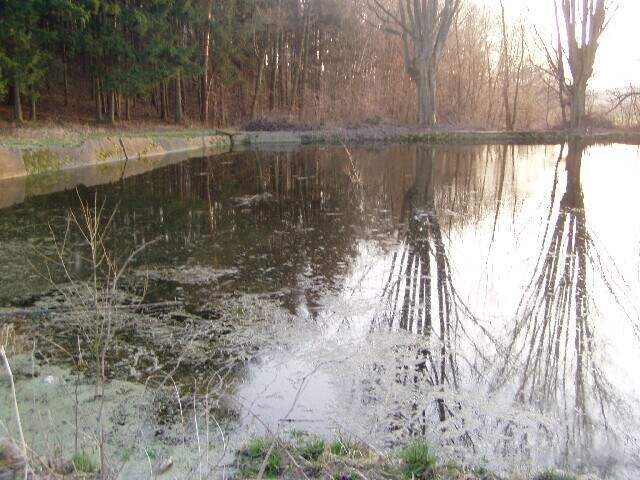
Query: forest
column 321, row 62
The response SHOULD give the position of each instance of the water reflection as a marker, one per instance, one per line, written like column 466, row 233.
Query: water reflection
column 482, row 268
column 419, row 290
column 553, row 352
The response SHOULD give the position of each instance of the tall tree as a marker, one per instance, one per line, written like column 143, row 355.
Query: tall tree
column 584, row 22
column 3, row 80
column 423, row 27
column 24, row 61
column 512, row 61
column 204, row 76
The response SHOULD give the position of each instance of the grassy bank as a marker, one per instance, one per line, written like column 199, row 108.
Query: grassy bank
column 301, row 455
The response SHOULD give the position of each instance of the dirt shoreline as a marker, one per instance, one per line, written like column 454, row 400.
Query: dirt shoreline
column 21, row 157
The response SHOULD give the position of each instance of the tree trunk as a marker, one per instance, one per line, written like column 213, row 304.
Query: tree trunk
column 303, row 75
column 204, row 78
column 426, row 88
column 17, row 106
column 282, row 65
column 127, row 109
column 578, row 103
column 33, row 114
column 178, row 99
column 274, row 72
column 164, row 102
column 256, row 89
column 98, row 99
column 112, row 107
column 66, row 83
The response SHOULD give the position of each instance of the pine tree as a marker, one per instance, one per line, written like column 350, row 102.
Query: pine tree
column 24, row 62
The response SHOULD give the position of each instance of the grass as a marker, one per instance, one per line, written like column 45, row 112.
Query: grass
column 346, row 448
column 256, row 447
column 418, row 460
column 555, row 475
column 338, row 448
column 251, row 457
column 311, row 449
column 82, row 463
column 308, row 456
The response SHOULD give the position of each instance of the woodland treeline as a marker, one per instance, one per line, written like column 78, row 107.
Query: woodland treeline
column 224, row 62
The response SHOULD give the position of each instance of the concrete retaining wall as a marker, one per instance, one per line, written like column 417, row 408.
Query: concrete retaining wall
column 21, row 162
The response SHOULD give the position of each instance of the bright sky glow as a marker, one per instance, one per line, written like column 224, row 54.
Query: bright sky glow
column 618, row 59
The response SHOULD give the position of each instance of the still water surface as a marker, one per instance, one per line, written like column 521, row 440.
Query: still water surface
column 485, row 297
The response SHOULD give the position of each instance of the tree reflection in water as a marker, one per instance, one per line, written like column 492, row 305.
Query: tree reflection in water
column 551, row 353
column 562, row 395
column 421, row 298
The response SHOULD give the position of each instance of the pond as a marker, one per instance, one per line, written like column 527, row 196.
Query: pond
column 485, row 297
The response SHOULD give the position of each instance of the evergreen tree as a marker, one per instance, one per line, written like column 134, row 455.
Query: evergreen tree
column 23, row 62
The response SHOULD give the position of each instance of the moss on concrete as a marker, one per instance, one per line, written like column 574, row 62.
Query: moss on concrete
column 109, row 153
column 43, row 160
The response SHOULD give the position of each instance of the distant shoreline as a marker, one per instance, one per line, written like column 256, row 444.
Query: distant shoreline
column 50, row 150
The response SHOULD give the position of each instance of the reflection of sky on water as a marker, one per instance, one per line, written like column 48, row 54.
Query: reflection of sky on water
column 492, row 259
column 324, row 235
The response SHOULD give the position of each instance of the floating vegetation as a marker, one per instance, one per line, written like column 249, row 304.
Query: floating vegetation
column 251, row 200
column 196, row 275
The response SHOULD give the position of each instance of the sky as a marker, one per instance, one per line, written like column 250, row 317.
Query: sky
column 618, row 58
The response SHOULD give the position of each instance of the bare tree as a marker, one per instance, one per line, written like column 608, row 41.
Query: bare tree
column 584, row 22
column 625, row 106
column 423, row 27
column 512, row 62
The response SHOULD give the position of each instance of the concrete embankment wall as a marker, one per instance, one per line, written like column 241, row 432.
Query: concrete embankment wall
column 37, row 160
column 19, row 162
